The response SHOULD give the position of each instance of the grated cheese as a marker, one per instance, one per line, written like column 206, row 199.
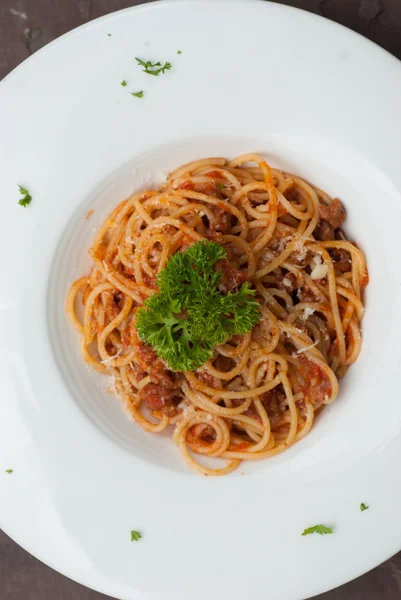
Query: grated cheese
column 113, row 380
column 107, row 360
column 146, row 180
column 308, row 311
column 301, row 350
column 268, row 255
column 187, row 410
column 281, row 246
column 301, row 250
column 319, row 271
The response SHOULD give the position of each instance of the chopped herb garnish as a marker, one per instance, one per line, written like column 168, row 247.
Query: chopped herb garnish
column 179, row 51
column 123, row 83
column 220, row 186
column 135, row 536
column 190, row 316
column 9, row 471
column 321, row 529
column 137, row 94
column 109, row 35
column 26, row 196
column 363, row 507
column 153, row 68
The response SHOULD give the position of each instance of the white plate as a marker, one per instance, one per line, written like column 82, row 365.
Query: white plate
column 318, row 100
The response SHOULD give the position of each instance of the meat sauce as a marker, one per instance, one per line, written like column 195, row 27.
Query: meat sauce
column 316, row 387
column 273, row 401
column 305, row 294
column 187, row 185
column 201, row 433
column 148, row 280
column 208, row 379
column 342, row 260
column 231, row 278
column 114, row 304
column 331, row 217
column 222, row 219
column 333, row 213
column 160, row 393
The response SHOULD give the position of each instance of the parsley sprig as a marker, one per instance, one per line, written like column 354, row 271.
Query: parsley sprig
column 189, row 316
column 320, row 529
column 153, row 68
column 26, row 196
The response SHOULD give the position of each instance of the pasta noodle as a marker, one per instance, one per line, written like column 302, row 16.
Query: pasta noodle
column 260, row 392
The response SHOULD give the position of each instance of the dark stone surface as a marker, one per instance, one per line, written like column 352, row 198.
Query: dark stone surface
column 25, row 26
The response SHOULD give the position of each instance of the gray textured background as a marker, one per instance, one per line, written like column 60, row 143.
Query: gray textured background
column 26, row 26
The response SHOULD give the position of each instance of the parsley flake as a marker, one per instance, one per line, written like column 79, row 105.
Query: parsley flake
column 9, row 471
column 153, row 68
column 220, row 186
column 190, row 316
column 123, row 83
column 109, row 35
column 26, row 196
column 320, row 529
column 135, row 535
column 137, row 94
column 179, row 51
column 363, row 507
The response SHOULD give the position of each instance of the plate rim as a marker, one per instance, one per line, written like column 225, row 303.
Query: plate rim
column 147, row 8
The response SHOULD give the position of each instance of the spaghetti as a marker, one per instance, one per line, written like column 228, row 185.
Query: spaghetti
column 260, row 392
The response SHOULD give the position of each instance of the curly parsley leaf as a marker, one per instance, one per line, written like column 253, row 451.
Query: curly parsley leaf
column 192, row 271
column 26, row 196
column 135, row 535
column 9, row 471
column 363, row 507
column 320, row 529
column 189, row 316
column 137, row 94
column 153, row 68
